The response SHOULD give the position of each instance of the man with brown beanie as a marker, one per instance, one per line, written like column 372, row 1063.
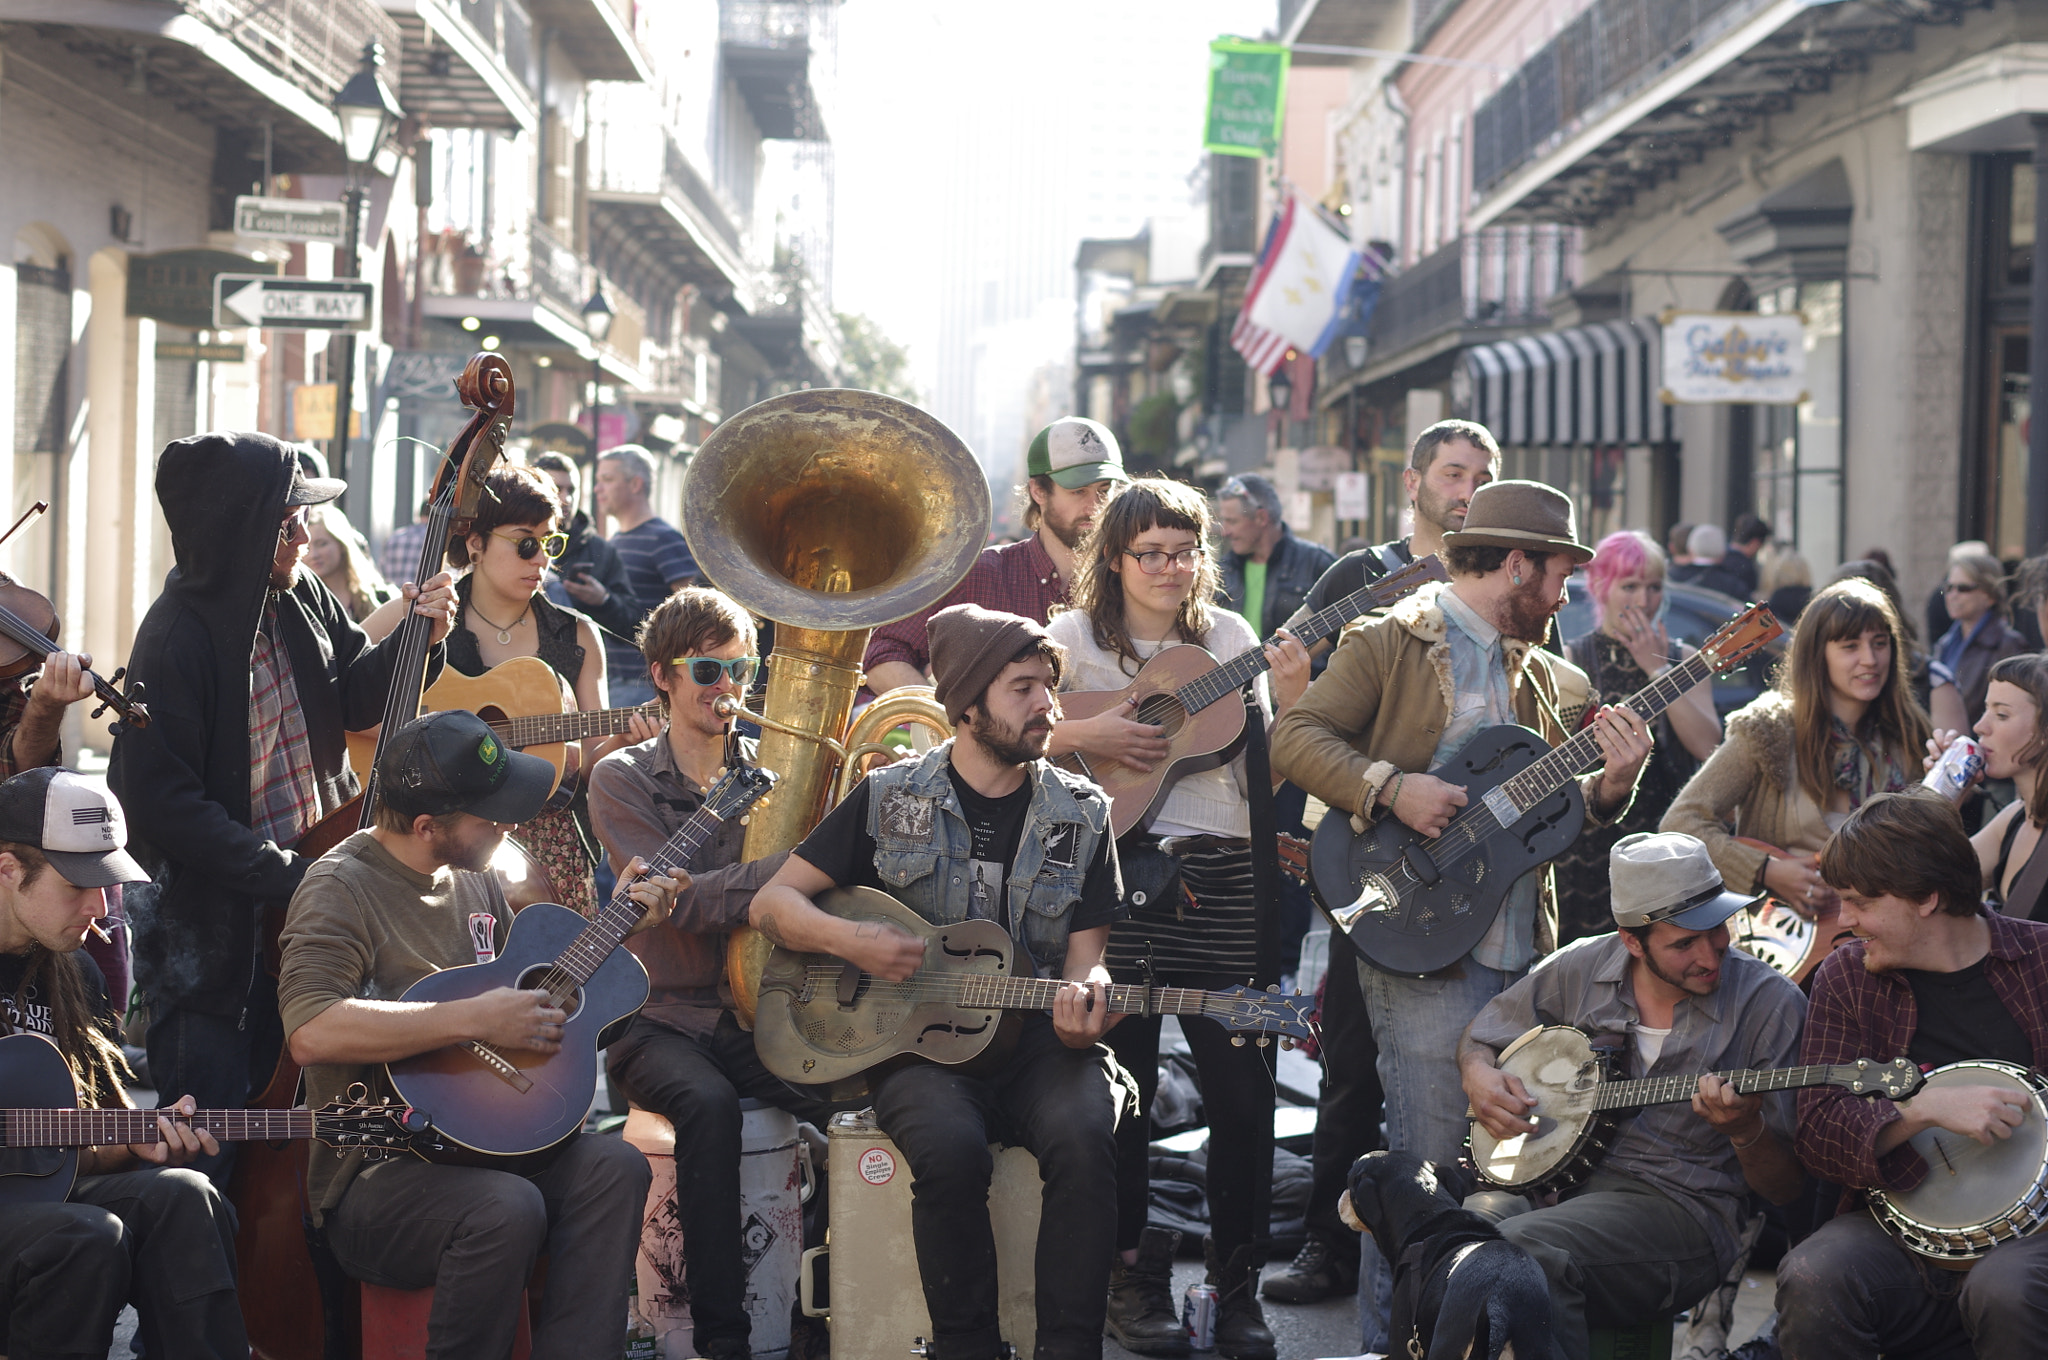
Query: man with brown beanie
column 983, row 827
column 1403, row 695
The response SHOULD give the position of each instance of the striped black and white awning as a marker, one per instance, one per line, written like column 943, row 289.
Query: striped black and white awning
column 1595, row 384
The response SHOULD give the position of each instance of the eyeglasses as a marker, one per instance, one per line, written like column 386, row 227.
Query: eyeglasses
column 705, row 670
column 292, row 524
column 1154, row 563
column 526, row 545
column 1952, row 588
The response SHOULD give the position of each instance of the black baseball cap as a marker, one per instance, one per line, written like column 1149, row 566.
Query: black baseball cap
column 310, row 483
column 453, row 762
column 75, row 823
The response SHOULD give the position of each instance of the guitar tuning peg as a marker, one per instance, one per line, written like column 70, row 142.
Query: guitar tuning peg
column 1274, row 989
column 1287, row 1045
column 1264, row 1042
column 1237, row 1041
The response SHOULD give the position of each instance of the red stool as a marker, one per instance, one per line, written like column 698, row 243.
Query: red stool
column 395, row 1324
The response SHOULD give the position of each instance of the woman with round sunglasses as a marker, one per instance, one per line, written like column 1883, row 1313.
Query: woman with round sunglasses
column 1144, row 580
column 503, row 614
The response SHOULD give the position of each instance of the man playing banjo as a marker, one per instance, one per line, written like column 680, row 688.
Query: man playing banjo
column 1659, row 1223
column 1933, row 976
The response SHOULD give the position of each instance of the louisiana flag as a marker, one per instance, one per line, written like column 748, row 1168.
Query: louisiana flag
column 1298, row 291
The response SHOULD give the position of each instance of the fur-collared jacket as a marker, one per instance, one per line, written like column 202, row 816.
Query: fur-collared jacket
column 1382, row 706
column 1749, row 784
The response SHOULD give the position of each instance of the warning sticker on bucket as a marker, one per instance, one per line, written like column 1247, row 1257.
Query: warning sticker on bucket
column 877, row 1167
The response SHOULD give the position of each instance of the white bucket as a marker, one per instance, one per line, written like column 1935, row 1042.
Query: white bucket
column 771, row 1229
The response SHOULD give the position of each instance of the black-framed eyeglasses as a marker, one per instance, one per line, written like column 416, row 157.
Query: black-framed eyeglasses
column 705, row 670
column 527, row 545
column 1156, row 563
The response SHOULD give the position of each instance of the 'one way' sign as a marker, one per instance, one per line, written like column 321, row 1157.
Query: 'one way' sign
column 288, row 304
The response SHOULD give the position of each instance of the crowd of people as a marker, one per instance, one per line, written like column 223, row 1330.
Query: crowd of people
column 277, row 633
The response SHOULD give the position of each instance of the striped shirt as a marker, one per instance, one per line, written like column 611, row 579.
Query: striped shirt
column 654, row 553
column 1752, row 1019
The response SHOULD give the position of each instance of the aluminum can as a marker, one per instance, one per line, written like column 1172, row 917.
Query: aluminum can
column 1958, row 770
column 1198, row 1315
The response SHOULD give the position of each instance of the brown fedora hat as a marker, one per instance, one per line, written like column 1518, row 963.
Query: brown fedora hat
column 1532, row 516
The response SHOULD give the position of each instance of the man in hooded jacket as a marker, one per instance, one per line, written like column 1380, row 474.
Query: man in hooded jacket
column 253, row 672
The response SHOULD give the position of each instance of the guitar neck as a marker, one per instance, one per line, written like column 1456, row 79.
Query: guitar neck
column 1036, row 994
column 1582, row 751
column 596, row 941
column 108, row 1128
column 1680, row 1087
column 543, row 729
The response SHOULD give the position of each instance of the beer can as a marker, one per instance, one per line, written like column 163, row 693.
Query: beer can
column 1957, row 771
column 1198, row 1315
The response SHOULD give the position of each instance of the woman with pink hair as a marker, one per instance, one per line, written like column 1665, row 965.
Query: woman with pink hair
column 1627, row 649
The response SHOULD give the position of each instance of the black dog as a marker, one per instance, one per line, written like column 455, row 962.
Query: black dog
column 1460, row 1288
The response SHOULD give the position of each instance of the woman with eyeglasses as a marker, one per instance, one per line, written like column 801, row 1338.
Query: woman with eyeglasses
column 1978, row 638
column 501, row 614
column 1145, row 580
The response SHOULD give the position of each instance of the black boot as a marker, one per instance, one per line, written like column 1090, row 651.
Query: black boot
column 1317, row 1273
column 1142, row 1318
column 1241, row 1330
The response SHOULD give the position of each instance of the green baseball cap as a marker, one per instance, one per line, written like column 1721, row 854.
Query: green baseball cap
column 1075, row 452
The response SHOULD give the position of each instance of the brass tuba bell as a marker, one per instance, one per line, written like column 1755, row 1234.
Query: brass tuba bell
column 829, row 511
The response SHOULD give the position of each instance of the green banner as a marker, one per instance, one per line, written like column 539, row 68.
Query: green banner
column 1247, row 93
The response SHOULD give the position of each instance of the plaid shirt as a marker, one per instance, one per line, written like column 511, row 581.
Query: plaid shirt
column 13, row 707
column 1017, row 578
column 284, row 793
column 1860, row 1014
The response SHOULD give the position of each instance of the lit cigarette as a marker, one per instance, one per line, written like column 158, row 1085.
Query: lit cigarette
column 94, row 927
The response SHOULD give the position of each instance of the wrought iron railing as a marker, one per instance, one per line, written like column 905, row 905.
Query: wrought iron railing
column 1502, row 276
column 316, row 44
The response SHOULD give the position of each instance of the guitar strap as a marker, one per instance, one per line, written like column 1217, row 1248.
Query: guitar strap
column 2033, row 879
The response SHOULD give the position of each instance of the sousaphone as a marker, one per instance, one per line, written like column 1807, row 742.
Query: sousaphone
column 830, row 512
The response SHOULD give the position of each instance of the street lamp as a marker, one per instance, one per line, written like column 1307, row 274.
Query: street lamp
column 597, row 324
column 367, row 112
column 1280, row 390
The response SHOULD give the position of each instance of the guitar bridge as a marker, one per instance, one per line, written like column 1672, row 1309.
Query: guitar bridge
column 501, row 1066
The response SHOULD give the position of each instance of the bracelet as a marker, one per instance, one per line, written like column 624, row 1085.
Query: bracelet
column 1761, row 1129
column 1395, row 796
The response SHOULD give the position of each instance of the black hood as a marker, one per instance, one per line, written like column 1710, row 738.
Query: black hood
column 223, row 495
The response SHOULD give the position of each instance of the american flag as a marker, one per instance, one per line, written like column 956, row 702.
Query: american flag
column 1263, row 350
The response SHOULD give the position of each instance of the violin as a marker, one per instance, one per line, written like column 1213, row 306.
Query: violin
column 28, row 632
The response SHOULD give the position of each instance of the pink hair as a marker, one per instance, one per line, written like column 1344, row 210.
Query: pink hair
column 1622, row 553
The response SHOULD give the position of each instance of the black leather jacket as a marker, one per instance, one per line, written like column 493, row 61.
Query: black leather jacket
column 1295, row 566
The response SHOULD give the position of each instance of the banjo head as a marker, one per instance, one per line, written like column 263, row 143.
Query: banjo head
column 1558, row 1066
column 1973, row 1196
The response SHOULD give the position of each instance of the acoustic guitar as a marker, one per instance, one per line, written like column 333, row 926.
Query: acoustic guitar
column 42, row 1128
column 1791, row 941
column 820, row 1019
column 1579, row 1104
column 513, row 1108
column 1412, row 904
column 524, row 702
column 1178, row 691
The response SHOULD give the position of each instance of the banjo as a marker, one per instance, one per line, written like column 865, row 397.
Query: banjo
column 1974, row 1197
column 1579, row 1103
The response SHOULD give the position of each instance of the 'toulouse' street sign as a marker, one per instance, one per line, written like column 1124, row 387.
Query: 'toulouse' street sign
column 293, row 304
column 290, row 219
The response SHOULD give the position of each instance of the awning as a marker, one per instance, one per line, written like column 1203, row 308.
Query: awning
column 1594, row 384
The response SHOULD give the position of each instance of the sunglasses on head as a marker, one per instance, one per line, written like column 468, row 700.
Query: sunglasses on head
column 526, row 545
column 705, row 670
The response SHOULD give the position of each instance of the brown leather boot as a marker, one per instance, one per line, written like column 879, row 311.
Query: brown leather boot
column 1142, row 1318
column 1241, row 1330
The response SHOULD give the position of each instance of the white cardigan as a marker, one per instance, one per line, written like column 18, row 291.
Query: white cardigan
column 1212, row 802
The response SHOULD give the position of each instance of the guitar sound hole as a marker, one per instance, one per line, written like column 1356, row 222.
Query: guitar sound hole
column 534, row 979
column 1163, row 710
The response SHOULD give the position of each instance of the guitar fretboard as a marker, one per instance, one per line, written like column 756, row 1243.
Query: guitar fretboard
column 1037, row 994
column 1582, row 750
column 1671, row 1090
column 107, row 1128
column 542, row 729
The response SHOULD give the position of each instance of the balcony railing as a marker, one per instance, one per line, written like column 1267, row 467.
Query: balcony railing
column 316, row 44
column 781, row 53
column 1610, row 49
column 1501, row 276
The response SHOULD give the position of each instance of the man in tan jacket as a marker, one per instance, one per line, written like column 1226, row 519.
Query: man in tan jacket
column 1404, row 693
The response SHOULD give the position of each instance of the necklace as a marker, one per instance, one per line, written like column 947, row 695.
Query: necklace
column 505, row 633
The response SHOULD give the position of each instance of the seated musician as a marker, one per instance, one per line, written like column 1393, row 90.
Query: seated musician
column 685, row 1056
column 1933, row 976
column 387, row 906
column 132, row 1229
column 1659, row 1223
column 982, row 827
column 1404, row 694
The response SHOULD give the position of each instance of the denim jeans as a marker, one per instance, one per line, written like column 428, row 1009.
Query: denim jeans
column 1062, row 1104
column 162, row 1238
column 1417, row 1023
column 221, row 1061
column 1349, row 1103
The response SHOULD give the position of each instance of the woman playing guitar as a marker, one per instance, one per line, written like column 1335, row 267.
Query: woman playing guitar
column 1144, row 582
column 502, row 615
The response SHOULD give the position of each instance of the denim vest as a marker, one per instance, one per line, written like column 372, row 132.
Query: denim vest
column 924, row 850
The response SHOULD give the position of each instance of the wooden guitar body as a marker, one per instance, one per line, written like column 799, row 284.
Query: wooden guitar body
column 522, row 687
column 518, row 1104
column 1412, row 905
column 821, row 1016
column 1196, row 741
column 268, row 1190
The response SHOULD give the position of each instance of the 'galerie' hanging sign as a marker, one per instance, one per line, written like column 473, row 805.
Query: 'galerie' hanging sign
column 1734, row 357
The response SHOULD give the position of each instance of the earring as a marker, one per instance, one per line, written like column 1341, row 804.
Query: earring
column 1516, row 579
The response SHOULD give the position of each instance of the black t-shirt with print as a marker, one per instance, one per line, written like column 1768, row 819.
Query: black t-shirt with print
column 1961, row 1018
column 841, row 848
column 32, row 1013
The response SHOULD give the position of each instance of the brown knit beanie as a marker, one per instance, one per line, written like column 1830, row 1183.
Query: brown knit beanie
column 969, row 648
